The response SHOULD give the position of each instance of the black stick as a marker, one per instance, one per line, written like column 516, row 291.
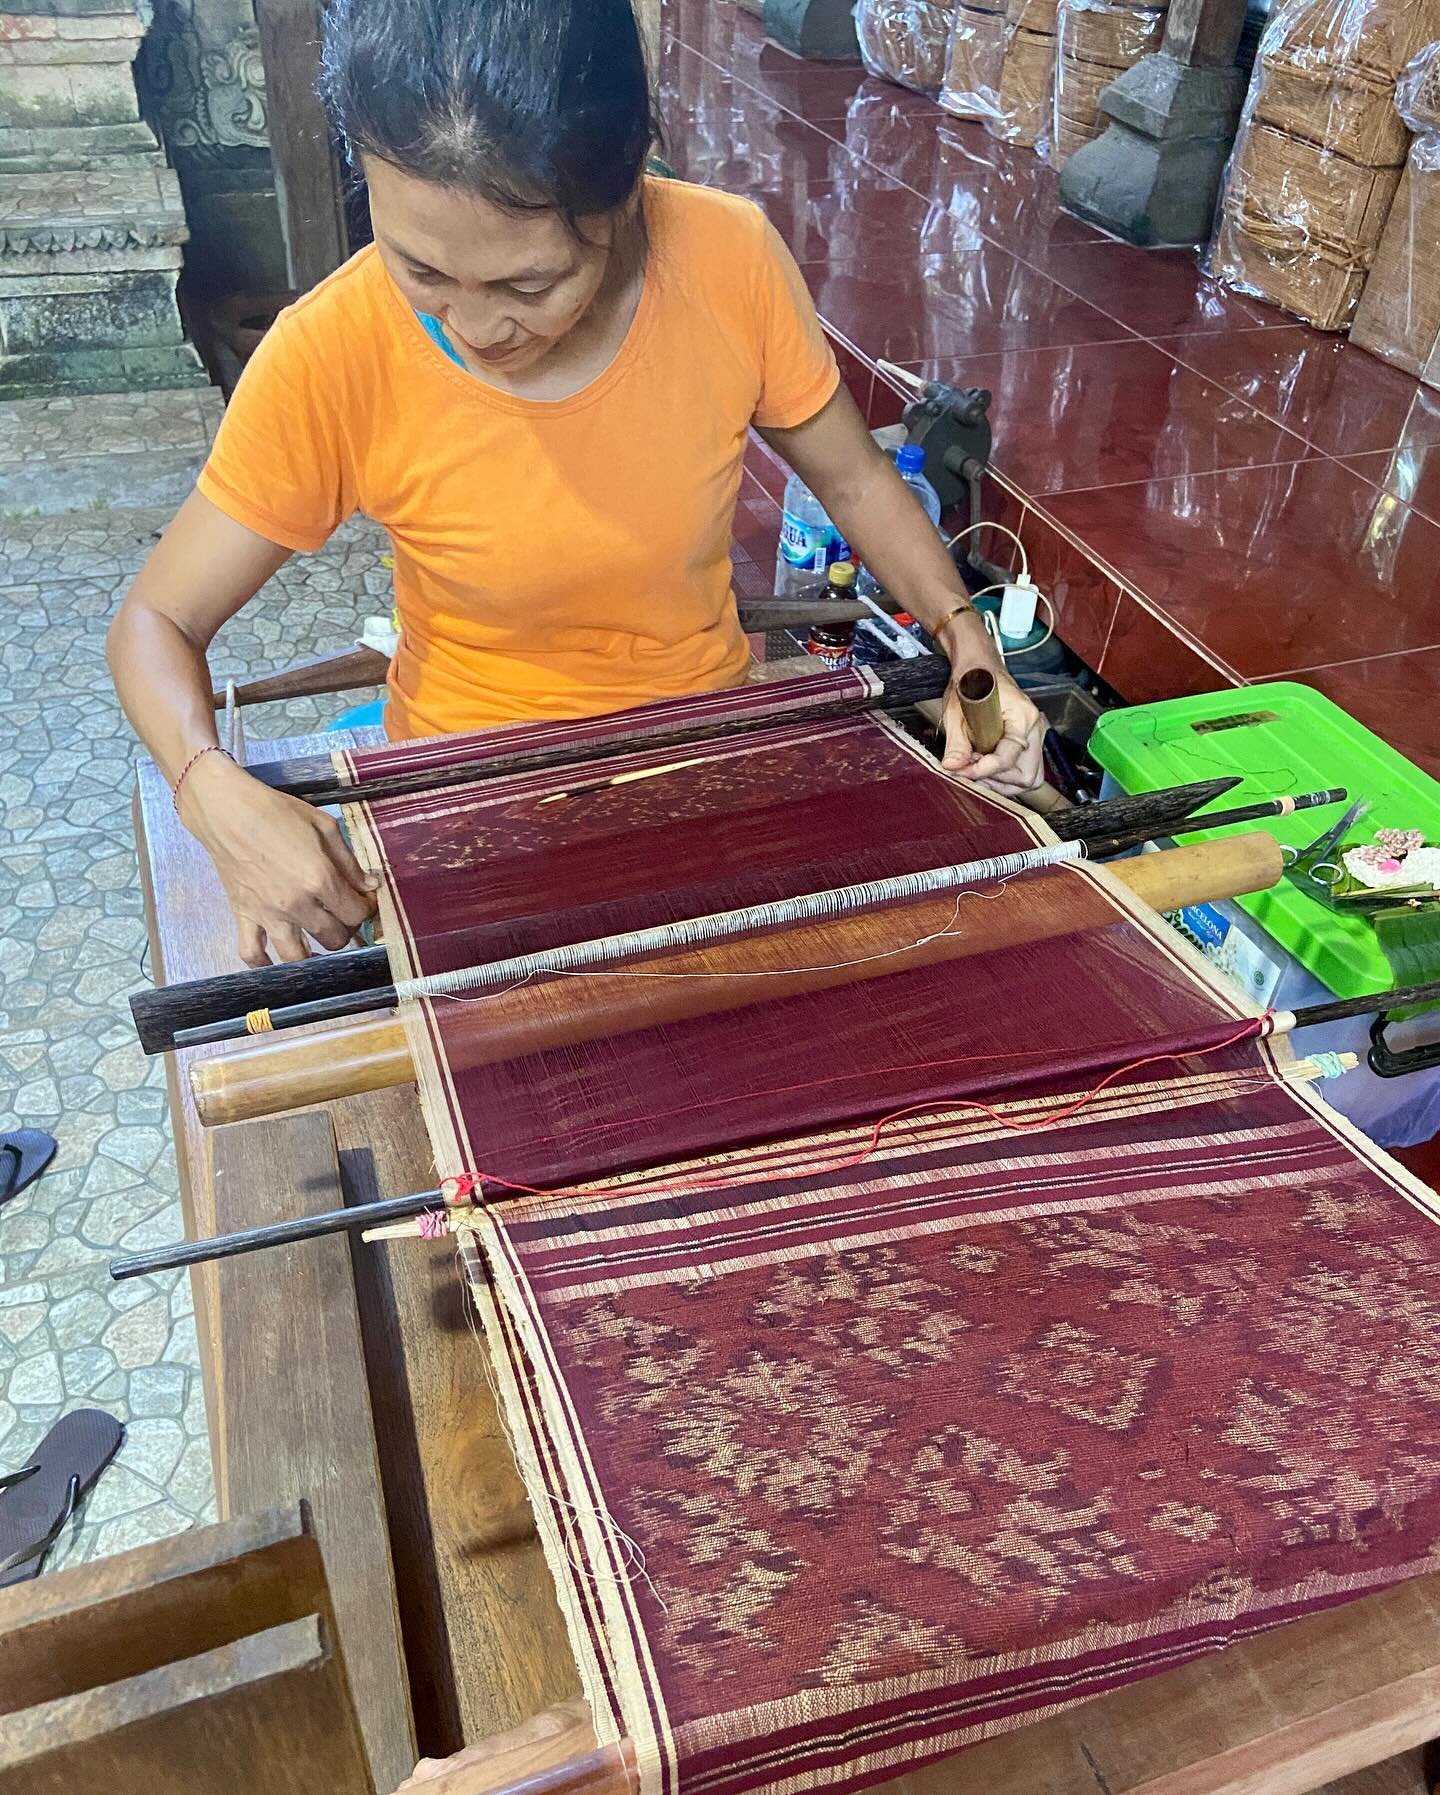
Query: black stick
column 1340, row 1009
column 163, row 1012
column 1102, row 848
column 313, row 777
column 1149, row 811
column 275, row 1234
column 366, row 1215
column 291, row 1015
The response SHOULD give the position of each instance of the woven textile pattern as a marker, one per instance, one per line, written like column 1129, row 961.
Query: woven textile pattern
column 519, row 865
column 853, row 1444
column 918, row 1451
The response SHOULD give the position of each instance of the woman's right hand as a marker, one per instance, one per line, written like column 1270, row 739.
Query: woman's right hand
column 286, row 867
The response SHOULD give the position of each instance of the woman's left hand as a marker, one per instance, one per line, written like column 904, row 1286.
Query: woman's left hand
column 1017, row 764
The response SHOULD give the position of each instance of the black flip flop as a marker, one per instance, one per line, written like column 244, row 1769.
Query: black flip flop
column 38, row 1501
column 24, row 1155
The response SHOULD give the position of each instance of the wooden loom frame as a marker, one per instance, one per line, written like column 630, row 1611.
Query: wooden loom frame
column 376, row 1434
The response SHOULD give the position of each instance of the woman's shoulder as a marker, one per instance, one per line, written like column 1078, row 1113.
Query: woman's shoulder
column 704, row 223
column 337, row 312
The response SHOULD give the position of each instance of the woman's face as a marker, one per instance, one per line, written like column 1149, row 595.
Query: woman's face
column 507, row 287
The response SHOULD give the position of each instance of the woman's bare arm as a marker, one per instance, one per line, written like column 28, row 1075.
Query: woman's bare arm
column 286, row 868
column 836, row 457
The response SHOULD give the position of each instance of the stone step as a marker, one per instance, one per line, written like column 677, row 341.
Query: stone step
column 99, row 371
column 135, row 206
column 55, row 149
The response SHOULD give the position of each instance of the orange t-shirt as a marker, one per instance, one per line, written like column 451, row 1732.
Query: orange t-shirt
column 552, row 558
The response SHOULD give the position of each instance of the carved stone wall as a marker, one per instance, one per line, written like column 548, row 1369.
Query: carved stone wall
column 201, row 81
column 91, row 221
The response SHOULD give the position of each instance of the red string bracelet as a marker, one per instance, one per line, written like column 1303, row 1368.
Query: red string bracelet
column 213, row 748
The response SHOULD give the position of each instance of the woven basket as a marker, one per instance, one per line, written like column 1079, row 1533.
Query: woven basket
column 1328, row 70
column 1066, row 138
column 1041, row 16
column 1078, row 87
column 1291, row 193
column 905, row 41
column 1348, row 111
column 1371, row 37
column 1309, row 281
column 976, row 64
column 1025, row 87
column 1399, row 315
column 1115, row 36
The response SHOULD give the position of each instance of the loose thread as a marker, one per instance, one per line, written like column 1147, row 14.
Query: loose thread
column 769, row 972
column 632, row 1554
column 1255, row 1029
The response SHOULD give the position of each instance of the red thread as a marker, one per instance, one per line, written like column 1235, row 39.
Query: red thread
column 213, row 748
column 1256, row 1029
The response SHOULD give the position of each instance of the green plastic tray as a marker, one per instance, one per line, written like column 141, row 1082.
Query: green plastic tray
column 1283, row 739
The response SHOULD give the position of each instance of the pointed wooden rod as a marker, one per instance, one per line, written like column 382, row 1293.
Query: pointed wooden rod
column 1102, row 847
column 161, row 1011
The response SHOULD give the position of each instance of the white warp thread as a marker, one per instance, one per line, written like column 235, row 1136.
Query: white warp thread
column 726, row 925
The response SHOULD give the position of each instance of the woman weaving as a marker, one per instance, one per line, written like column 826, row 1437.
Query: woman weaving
column 539, row 379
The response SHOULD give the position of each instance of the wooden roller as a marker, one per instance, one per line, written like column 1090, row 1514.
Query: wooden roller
column 291, row 1071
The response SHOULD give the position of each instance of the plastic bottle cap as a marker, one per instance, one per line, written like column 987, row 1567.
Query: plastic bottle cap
column 842, row 573
column 910, row 458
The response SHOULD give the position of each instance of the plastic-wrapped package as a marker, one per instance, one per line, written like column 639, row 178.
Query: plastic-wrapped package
column 1327, row 71
column 1316, row 163
column 1399, row 315
column 1097, row 41
column 1000, row 68
column 905, row 41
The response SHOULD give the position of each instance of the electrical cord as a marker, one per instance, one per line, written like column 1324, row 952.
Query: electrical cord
column 1005, row 530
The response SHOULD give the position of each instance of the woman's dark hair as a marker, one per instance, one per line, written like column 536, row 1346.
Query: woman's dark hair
column 533, row 104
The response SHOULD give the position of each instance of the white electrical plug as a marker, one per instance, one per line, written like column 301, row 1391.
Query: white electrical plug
column 1017, row 608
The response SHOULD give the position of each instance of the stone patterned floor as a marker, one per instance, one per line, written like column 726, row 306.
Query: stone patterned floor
column 87, row 485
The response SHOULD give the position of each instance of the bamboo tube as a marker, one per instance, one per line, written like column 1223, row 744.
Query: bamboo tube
column 979, row 695
column 287, row 1073
column 980, row 707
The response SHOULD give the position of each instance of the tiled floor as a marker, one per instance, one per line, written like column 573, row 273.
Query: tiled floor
column 1213, row 492
column 95, row 480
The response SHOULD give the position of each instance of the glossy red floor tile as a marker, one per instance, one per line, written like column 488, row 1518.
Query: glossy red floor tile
column 1321, row 386
column 1008, row 195
column 927, row 304
column 894, row 131
column 1156, row 292
column 1106, row 413
column 815, row 91
column 1396, row 696
column 1147, row 659
column 1409, row 473
column 1271, row 569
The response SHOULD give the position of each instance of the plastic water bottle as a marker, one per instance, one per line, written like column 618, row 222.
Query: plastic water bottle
column 909, row 461
column 809, row 543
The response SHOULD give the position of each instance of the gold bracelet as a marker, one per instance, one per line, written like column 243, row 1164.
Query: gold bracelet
column 950, row 617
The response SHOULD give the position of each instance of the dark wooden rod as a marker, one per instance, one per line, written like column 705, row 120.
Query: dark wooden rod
column 312, row 777
column 275, row 1234
column 163, row 1011
column 1102, row 847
